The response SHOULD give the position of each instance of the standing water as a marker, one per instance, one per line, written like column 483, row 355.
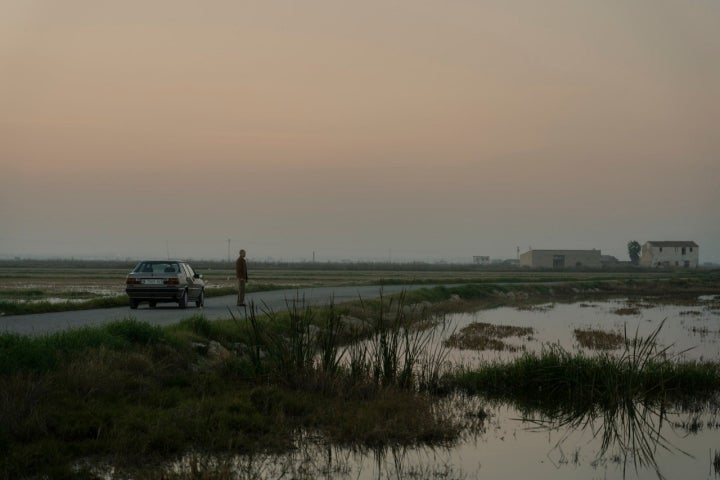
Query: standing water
column 633, row 441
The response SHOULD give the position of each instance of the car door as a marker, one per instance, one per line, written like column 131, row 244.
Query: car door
column 194, row 287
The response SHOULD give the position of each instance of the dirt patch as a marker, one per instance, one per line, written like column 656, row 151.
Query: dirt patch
column 486, row 336
column 598, row 339
column 536, row 308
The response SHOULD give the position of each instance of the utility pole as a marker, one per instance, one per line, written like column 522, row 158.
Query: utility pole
column 228, row 250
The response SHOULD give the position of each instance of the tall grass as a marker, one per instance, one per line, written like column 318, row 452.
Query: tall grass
column 556, row 378
column 403, row 349
column 295, row 345
column 398, row 348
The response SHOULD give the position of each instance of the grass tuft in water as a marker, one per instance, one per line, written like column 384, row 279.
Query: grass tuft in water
column 598, row 339
column 556, row 377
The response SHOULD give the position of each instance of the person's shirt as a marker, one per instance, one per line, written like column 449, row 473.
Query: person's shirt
column 241, row 268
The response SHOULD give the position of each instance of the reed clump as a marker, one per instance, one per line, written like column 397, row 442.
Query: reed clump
column 643, row 371
column 395, row 347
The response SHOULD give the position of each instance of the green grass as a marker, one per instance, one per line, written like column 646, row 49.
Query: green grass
column 41, row 354
column 556, row 378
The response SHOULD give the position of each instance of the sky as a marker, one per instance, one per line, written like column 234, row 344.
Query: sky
column 398, row 130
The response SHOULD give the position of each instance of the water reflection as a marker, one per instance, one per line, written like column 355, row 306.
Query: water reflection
column 630, row 433
column 314, row 461
column 627, row 440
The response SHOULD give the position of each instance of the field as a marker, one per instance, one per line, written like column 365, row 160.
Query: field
column 211, row 400
column 28, row 286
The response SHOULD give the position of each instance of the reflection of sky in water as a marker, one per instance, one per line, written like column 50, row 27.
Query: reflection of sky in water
column 693, row 327
column 509, row 447
column 510, row 450
column 506, row 448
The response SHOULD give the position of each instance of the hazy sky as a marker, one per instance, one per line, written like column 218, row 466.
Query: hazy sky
column 401, row 129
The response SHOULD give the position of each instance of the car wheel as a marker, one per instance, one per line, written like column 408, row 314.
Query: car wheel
column 133, row 303
column 183, row 300
column 200, row 302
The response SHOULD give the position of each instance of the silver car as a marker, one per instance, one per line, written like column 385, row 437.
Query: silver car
column 156, row 281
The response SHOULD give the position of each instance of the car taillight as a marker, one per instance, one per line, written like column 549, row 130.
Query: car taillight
column 132, row 281
column 172, row 281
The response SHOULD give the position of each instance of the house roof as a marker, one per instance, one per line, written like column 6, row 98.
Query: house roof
column 673, row 244
column 539, row 250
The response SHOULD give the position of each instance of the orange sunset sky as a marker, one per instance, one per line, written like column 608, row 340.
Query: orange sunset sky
column 368, row 130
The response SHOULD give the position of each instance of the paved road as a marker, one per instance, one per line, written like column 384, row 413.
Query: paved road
column 215, row 308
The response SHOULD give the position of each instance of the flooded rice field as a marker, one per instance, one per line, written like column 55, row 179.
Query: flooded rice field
column 691, row 330
column 633, row 441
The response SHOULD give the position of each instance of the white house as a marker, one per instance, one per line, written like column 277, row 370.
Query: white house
column 670, row 254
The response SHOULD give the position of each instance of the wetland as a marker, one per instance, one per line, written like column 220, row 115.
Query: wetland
column 578, row 379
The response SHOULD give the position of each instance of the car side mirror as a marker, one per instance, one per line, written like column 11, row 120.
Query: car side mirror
column 198, row 275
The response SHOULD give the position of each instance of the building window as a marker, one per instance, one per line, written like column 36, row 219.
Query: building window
column 683, row 250
column 660, row 249
column 691, row 249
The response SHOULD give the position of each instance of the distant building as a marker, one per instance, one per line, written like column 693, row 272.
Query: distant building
column 561, row 258
column 684, row 254
column 481, row 260
column 609, row 260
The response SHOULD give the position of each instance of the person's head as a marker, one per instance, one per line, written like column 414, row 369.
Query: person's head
column 242, row 253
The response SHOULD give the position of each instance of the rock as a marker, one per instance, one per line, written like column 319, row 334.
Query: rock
column 353, row 324
column 217, row 353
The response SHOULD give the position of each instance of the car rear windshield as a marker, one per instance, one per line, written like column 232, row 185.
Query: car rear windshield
column 157, row 267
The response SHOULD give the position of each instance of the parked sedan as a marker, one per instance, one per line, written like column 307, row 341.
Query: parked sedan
column 156, row 281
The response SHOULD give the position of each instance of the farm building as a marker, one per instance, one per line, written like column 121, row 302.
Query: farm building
column 670, row 254
column 481, row 260
column 561, row 258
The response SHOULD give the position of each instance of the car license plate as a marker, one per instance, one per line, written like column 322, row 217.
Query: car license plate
column 152, row 281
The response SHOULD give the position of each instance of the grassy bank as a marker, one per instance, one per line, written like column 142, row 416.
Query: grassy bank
column 132, row 392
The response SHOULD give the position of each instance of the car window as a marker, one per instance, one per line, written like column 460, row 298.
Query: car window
column 189, row 270
column 143, row 267
column 157, row 267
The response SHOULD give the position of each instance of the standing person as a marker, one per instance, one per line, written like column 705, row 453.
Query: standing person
column 242, row 276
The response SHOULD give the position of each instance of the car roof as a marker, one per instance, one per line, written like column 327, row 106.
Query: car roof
column 162, row 261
